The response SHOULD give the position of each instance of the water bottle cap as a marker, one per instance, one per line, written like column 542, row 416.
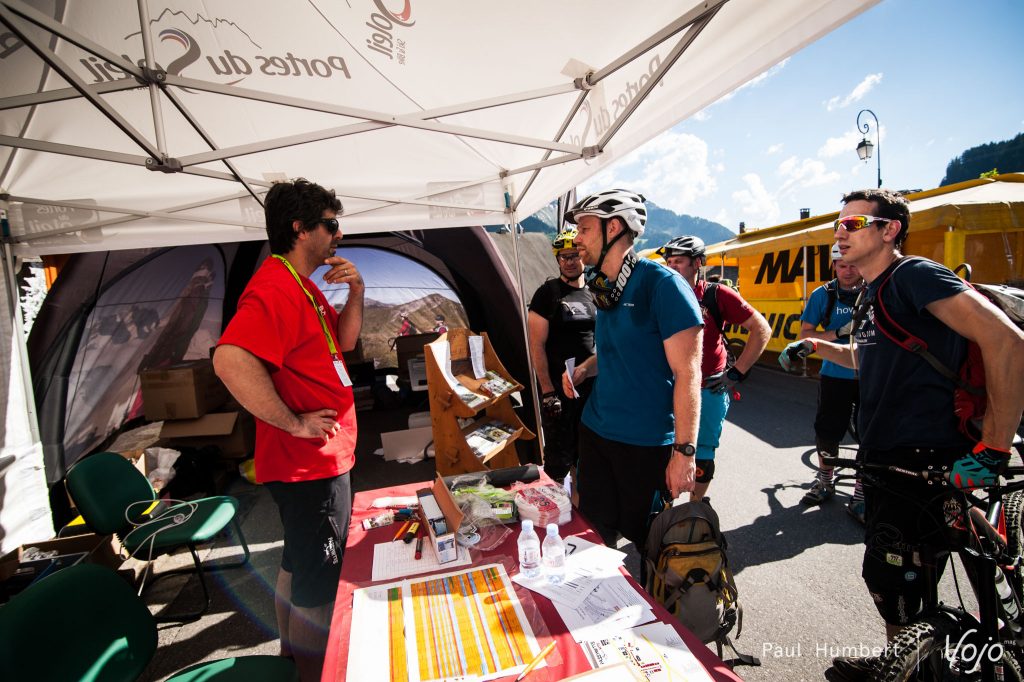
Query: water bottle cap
column 527, row 524
column 552, row 529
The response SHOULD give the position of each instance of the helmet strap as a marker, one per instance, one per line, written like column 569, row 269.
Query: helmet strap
column 605, row 244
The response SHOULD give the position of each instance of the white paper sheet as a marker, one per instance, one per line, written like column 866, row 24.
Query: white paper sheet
column 476, row 354
column 613, row 607
column 656, row 649
column 396, row 560
column 579, row 582
column 570, row 367
column 584, row 552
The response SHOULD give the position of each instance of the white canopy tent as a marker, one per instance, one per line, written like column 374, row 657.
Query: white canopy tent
column 157, row 123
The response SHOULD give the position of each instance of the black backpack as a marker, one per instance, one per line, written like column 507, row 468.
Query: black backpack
column 688, row 573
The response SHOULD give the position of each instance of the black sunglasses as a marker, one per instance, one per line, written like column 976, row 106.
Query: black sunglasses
column 330, row 223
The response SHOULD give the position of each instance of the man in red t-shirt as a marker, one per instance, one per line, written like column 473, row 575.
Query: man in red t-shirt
column 280, row 357
column 686, row 255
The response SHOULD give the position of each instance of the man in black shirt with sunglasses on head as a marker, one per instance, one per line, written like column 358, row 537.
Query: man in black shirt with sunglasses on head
column 906, row 406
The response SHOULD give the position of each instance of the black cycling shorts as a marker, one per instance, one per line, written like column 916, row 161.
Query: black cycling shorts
column 705, row 470
column 909, row 524
column 837, row 403
column 315, row 515
column 619, row 485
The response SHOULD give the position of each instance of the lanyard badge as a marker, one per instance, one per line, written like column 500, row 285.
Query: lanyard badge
column 339, row 366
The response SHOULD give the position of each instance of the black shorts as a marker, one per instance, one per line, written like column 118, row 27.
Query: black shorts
column 837, row 403
column 315, row 515
column 619, row 484
column 909, row 524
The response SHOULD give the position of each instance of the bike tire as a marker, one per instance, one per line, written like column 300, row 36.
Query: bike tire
column 918, row 653
column 1013, row 513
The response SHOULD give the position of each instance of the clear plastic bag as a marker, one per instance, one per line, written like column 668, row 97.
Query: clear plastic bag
column 483, row 507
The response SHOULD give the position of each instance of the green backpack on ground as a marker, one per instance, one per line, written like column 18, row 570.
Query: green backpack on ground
column 688, row 573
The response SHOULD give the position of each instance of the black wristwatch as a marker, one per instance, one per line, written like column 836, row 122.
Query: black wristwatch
column 736, row 375
column 686, row 449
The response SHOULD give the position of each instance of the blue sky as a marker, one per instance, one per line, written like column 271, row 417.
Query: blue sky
column 941, row 76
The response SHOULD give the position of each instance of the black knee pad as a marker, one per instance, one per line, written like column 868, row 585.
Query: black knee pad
column 705, row 470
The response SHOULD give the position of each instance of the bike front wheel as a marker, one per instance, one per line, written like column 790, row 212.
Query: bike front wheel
column 931, row 649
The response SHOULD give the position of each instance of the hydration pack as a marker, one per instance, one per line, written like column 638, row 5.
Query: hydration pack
column 687, row 571
column 969, row 398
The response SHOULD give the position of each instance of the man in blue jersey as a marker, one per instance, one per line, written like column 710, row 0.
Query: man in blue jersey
column 830, row 307
column 640, row 424
column 906, row 416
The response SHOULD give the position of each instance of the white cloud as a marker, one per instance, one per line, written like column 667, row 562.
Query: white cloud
column 701, row 115
column 802, row 174
column 757, row 206
column 671, row 170
column 755, row 81
column 774, row 149
column 844, row 144
column 861, row 89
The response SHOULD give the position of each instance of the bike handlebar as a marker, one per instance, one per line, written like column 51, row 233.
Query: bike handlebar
column 939, row 475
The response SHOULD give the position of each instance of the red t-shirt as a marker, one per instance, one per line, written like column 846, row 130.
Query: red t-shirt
column 734, row 311
column 276, row 322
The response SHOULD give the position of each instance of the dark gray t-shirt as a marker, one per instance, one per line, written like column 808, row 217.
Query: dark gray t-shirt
column 904, row 402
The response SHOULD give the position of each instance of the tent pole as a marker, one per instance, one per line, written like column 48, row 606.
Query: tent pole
column 154, row 90
column 513, row 224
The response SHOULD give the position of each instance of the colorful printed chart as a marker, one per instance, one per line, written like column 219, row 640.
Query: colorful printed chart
column 465, row 625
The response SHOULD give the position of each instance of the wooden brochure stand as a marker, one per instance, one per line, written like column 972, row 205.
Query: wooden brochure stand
column 485, row 449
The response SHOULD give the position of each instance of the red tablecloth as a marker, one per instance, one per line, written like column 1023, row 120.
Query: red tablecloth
column 356, row 572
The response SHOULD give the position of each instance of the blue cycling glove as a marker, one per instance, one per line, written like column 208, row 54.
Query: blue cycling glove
column 798, row 350
column 980, row 468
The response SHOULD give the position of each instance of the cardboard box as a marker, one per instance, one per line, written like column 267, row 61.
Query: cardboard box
column 95, row 549
column 233, row 432
column 184, row 391
column 406, row 444
column 442, row 543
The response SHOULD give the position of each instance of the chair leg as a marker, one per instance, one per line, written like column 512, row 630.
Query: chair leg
column 199, row 569
column 187, row 616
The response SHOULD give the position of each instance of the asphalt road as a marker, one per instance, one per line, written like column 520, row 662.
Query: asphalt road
column 797, row 568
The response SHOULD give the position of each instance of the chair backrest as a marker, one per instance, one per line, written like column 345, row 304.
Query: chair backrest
column 103, row 486
column 81, row 623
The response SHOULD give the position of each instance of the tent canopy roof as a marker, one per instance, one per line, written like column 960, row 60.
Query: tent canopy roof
column 990, row 204
column 443, row 114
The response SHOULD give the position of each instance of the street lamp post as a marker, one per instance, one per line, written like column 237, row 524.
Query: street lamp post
column 865, row 147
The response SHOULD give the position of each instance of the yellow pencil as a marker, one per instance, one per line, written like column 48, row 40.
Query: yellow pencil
column 536, row 660
column 401, row 531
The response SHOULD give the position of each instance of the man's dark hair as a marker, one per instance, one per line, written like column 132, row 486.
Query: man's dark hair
column 890, row 204
column 301, row 200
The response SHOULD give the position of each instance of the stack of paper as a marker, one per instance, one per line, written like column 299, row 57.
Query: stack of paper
column 613, row 606
column 543, row 505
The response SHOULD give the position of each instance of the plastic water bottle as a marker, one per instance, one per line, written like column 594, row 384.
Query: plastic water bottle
column 554, row 555
column 1008, row 601
column 529, row 550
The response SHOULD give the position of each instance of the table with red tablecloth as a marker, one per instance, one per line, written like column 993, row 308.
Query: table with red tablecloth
column 356, row 572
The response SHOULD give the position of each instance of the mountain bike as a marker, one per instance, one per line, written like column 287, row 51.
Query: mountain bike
column 948, row 642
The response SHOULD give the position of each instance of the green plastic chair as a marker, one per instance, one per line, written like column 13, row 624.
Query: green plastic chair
column 86, row 623
column 112, row 496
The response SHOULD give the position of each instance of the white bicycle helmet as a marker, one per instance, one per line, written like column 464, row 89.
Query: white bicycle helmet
column 836, row 253
column 619, row 203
